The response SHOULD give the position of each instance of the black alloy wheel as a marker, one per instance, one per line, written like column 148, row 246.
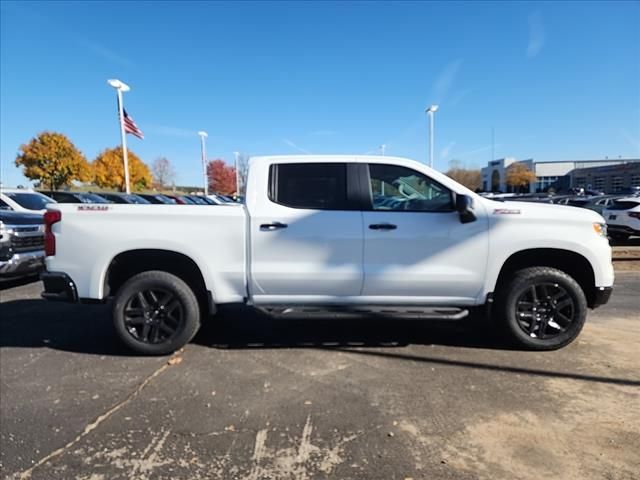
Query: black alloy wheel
column 156, row 313
column 545, row 310
column 153, row 316
column 540, row 308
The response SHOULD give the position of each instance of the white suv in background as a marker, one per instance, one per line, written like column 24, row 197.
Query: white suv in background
column 623, row 218
column 24, row 200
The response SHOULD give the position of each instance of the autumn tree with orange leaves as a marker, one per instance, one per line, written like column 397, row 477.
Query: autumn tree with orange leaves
column 519, row 176
column 221, row 177
column 109, row 170
column 52, row 160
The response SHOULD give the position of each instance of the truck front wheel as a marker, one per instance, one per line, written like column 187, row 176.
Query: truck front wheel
column 156, row 313
column 541, row 308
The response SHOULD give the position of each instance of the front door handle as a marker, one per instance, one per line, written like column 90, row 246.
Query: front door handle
column 267, row 227
column 382, row 226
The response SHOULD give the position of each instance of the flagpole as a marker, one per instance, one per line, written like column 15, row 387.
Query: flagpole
column 120, row 87
column 123, row 137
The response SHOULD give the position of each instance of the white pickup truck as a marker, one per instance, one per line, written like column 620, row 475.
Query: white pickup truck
column 364, row 234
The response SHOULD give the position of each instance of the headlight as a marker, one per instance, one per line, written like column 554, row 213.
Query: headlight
column 600, row 229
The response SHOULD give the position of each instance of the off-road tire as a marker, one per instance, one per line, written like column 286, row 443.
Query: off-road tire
column 509, row 306
column 183, row 300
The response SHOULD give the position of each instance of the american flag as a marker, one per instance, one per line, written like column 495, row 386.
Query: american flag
column 130, row 126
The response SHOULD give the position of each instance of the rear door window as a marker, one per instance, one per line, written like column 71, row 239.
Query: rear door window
column 316, row 186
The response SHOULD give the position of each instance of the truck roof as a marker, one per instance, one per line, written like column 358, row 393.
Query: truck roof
column 327, row 158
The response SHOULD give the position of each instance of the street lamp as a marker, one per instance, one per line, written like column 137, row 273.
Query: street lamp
column 383, row 147
column 236, row 156
column 204, row 135
column 122, row 87
column 430, row 111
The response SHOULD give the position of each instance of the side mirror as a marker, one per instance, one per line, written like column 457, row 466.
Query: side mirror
column 464, row 206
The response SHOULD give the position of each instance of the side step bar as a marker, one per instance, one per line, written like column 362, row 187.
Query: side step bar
column 435, row 313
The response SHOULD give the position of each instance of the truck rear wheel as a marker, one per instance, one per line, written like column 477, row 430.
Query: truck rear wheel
column 542, row 308
column 156, row 313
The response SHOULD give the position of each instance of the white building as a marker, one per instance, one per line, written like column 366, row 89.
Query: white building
column 561, row 174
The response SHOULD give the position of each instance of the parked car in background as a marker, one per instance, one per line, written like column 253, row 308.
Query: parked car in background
column 21, row 243
column 24, row 200
column 218, row 199
column 574, row 201
column 75, row 197
column 124, row 198
column 180, row 199
column 536, row 198
column 623, row 218
column 157, row 198
column 200, row 200
column 225, row 198
column 598, row 204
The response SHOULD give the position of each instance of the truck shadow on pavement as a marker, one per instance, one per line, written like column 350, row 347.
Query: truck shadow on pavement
column 88, row 329
column 237, row 327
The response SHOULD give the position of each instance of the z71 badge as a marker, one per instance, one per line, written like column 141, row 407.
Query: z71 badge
column 92, row 208
column 506, row 211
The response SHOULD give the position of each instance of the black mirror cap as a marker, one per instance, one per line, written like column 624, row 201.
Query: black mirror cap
column 464, row 206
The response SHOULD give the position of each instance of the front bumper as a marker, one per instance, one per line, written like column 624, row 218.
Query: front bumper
column 59, row 287
column 23, row 263
column 601, row 296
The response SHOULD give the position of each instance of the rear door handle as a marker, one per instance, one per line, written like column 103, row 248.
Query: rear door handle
column 267, row 227
column 382, row 226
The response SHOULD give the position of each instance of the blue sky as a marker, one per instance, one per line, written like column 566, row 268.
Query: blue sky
column 555, row 80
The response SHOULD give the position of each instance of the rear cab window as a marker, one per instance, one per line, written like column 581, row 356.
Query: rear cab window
column 317, row 186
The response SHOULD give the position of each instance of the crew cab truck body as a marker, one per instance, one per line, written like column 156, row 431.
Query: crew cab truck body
column 368, row 234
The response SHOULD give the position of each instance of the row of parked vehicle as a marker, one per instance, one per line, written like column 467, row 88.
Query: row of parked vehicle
column 30, row 200
column 621, row 211
column 22, row 229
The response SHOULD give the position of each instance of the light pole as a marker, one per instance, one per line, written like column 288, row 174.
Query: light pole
column 204, row 135
column 430, row 111
column 122, row 87
column 383, row 147
column 236, row 156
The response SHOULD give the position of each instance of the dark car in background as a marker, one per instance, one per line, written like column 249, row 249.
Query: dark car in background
column 158, row 198
column 180, row 199
column 198, row 200
column 75, row 197
column 124, row 198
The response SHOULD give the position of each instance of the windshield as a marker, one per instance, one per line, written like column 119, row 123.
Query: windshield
column 90, row 198
column 197, row 200
column 30, row 200
column 165, row 199
column 135, row 199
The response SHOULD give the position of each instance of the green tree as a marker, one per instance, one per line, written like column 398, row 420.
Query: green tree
column 52, row 160
column 109, row 170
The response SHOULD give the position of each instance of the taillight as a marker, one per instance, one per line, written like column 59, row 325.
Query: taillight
column 50, row 217
column 635, row 215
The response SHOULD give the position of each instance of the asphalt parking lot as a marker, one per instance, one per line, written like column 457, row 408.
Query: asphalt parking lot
column 367, row 398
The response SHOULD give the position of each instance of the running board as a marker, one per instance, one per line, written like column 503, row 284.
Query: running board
column 435, row 313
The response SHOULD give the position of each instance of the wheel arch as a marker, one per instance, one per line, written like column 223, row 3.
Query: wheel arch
column 573, row 264
column 131, row 262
